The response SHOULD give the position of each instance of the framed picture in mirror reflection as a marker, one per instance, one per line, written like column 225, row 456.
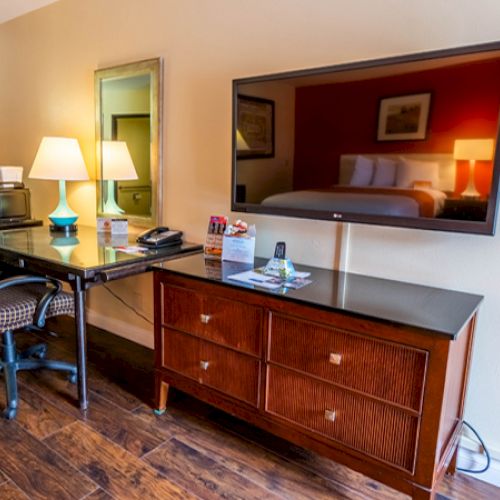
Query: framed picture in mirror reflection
column 255, row 127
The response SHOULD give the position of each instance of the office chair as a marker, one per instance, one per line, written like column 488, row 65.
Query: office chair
column 25, row 302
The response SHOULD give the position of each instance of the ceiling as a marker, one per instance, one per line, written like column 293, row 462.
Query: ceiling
column 14, row 8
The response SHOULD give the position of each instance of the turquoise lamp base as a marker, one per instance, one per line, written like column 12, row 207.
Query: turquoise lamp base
column 63, row 218
column 65, row 230
column 111, row 206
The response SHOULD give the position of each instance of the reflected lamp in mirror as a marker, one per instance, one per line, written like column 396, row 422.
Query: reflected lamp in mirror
column 129, row 109
column 117, row 165
column 60, row 159
column 473, row 150
column 241, row 144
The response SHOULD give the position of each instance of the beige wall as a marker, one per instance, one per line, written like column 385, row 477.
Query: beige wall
column 46, row 87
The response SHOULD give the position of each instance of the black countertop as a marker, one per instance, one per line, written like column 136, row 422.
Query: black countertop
column 438, row 310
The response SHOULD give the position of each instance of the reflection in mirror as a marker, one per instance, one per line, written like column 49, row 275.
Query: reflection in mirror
column 65, row 246
column 128, row 103
column 404, row 141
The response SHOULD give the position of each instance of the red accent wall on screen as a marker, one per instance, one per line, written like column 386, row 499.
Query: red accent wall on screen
column 342, row 118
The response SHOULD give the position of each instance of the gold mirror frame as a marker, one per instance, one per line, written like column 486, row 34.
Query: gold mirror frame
column 153, row 68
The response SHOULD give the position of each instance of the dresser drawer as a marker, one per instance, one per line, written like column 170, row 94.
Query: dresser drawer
column 181, row 353
column 224, row 321
column 182, row 308
column 230, row 372
column 364, row 424
column 390, row 371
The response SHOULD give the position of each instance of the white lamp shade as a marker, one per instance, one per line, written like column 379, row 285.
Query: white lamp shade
column 59, row 158
column 117, row 163
column 473, row 149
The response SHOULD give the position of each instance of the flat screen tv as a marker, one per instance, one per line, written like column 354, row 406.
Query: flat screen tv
column 404, row 141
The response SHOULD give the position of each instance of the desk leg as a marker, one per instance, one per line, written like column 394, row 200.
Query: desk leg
column 81, row 343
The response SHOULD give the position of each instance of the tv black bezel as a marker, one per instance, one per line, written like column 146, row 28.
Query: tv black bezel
column 486, row 227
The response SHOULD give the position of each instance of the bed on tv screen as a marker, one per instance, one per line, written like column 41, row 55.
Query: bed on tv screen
column 405, row 141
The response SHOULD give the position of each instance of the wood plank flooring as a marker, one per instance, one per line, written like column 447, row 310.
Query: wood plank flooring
column 119, row 449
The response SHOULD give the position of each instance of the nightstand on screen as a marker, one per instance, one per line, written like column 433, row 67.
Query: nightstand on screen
column 462, row 208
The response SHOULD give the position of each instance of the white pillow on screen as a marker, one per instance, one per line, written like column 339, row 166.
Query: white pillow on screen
column 363, row 171
column 410, row 171
column 385, row 172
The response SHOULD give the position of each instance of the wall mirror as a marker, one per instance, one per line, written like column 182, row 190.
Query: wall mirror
column 128, row 136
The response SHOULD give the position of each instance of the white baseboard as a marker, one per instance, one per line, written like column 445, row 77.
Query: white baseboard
column 470, row 457
column 134, row 333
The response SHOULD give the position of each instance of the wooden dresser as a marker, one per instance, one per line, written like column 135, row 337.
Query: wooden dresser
column 369, row 372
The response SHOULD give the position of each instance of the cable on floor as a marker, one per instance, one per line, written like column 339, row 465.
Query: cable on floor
column 486, row 452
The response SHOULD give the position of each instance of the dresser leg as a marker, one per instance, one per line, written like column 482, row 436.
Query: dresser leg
column 423, row 494
column 161, row 396
column 452, row 466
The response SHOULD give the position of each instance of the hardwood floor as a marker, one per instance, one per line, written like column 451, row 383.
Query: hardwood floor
column 120, row 449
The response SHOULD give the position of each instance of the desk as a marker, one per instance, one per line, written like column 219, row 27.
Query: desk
column 84, row 260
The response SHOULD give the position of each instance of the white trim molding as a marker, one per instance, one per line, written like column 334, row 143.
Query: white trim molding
column 470, row 456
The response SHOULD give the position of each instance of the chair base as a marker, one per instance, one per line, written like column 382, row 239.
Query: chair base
column 32, row 358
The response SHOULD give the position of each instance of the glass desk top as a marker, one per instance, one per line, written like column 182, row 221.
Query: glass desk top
column 83, row 252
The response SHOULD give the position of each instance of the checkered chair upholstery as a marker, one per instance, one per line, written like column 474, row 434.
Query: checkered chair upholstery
column 25, row 302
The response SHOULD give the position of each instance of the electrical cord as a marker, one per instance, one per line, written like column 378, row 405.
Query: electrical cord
column 486, row 452
column 117, row 297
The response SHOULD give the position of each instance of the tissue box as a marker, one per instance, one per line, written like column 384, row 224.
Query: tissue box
column 11, row 174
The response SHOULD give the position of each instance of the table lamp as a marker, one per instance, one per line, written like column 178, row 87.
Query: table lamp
column 117, row 165
column 60, row 158
column 472, row 150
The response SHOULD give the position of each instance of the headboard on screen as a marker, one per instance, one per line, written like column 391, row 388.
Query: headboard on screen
column 447, row 167
column 298, row 132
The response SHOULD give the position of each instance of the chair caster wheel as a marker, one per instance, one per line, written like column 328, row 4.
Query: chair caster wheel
column 10, row 413
column 40, row 354
column 72, row 378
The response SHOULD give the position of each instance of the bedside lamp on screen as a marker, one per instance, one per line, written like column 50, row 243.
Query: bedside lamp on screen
column 472, row 150
column 117, row 165
column 60, row 159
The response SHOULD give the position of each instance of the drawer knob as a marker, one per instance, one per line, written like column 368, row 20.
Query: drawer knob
column 205, row 318
column 335, row 358
column 330, row 415
column 204, row 365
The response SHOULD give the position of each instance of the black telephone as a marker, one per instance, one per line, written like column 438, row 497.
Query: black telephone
column 159, row 237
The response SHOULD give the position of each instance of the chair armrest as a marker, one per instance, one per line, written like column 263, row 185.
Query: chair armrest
column 44, row 302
